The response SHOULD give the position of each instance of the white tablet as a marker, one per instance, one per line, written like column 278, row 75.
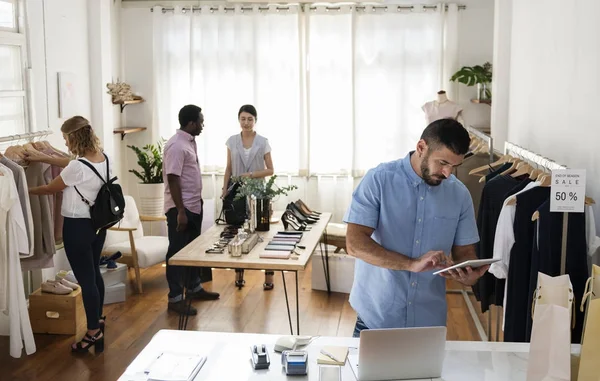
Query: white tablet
column 474, row 263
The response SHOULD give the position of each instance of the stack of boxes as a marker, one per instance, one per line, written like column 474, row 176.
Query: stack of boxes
column 114, row 283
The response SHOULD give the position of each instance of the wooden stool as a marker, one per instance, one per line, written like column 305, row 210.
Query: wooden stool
column 336, row 236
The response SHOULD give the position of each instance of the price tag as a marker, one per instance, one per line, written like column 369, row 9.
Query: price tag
column 568, row 191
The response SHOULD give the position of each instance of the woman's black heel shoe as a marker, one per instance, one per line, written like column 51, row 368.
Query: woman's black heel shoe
column 96, row 341
column 290, row 220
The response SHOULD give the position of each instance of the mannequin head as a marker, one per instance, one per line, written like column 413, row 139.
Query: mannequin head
column 442, row 147
column 247, row 117
column 441, row 96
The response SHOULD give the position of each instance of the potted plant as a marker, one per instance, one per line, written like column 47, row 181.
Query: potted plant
column 476, row 75
column 264, row 192
column 151, row 189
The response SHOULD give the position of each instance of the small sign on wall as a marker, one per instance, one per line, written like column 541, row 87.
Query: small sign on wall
column 67, row 95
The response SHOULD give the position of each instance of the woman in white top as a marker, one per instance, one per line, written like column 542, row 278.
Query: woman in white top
column 83, row 244
column 248, row 155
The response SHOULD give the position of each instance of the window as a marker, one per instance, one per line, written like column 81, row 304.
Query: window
column 13, row 95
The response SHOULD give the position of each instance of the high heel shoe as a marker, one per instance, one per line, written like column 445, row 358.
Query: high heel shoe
column 307, row 208
column 102, row 323
column 306, row 211
column 96, row 341
column 289, row 220
column 299, row 216
column 308, row 217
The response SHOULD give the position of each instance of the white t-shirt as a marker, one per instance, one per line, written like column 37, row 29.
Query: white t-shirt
column 88, row 184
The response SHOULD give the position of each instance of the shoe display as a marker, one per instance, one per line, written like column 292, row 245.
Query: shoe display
column 55, row 287
column 68, row 275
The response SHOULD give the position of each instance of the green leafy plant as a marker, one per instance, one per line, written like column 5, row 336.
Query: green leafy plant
column 150, row 159
column 472, row 75
column 260, row 188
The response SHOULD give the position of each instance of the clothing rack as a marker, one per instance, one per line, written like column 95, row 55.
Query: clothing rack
column 466, row 294
column 25, row 136
column 484, row 137
column 550, row 165
column 28, row 279
column 303, row 7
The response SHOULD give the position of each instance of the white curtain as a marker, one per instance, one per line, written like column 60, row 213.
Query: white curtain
column 338, row 90
column 221, row 59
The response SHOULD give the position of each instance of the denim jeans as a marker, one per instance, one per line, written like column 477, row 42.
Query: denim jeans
column 360, row 325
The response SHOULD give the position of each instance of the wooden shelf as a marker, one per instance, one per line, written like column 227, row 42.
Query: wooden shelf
column 482, row 101
column 125, row 103
column 128, row 130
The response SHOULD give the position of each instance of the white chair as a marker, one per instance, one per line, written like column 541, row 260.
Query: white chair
column 138, row 251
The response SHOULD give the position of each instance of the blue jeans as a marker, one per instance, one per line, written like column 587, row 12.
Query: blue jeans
column 360, row 325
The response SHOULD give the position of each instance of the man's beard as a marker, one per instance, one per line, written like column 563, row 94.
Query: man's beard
column 433, row 180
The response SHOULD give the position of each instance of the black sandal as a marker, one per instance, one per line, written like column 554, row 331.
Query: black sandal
column 96, row 341
column 102, row 323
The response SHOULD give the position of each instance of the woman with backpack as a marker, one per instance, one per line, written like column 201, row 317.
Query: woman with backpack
column 82, row 241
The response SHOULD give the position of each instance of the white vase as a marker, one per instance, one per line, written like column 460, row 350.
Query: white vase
column 151, row 199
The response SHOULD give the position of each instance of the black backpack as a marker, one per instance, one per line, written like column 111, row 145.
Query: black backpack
column 109, row 206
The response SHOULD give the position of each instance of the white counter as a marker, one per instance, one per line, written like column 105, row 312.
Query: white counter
column 229, row 357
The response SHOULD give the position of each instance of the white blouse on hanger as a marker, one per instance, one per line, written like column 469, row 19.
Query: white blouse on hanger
column 13, row 240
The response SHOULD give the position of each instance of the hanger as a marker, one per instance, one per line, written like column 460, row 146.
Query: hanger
column 513, row 167
column 523, row 168
column 498, row 162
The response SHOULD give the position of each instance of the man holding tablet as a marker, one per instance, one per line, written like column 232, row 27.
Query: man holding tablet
column 409, row 218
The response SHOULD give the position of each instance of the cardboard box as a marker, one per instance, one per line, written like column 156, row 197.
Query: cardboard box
column 115, row 293
column 114, row 276
column 341, row 270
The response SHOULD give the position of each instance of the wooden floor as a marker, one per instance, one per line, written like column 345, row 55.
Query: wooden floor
column 132, row 324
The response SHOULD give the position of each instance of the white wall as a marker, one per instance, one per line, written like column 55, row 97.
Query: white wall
column 554, row 79
column 58, row 37
column 75, row 36
column 476, row 36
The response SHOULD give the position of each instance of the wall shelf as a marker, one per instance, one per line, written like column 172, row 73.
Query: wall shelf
column 482, row 101
column 128, row 130
column 122, row 104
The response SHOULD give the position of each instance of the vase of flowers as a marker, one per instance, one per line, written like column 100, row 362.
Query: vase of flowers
column 262, row 193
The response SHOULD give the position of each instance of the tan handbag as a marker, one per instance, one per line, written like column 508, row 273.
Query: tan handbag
column 589, row 363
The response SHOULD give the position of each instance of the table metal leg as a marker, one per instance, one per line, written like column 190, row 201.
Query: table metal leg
column 325, row 261
column 287, row 303
column 185, row 314
column 297, row 306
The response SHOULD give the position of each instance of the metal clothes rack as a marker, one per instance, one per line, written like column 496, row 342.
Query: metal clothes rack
column 304, row 7
column 28, row 278
column 550, row 165
column 466, row 294
column 25, row 136
column 484, row 137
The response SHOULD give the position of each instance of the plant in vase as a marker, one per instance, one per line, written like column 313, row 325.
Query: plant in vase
column 151, row 188
column 480, row 75
column 264, row 192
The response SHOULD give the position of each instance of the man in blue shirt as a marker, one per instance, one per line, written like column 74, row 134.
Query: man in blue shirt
column 408, row 218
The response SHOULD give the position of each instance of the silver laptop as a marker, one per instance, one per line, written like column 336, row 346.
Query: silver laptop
column 399, row 354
